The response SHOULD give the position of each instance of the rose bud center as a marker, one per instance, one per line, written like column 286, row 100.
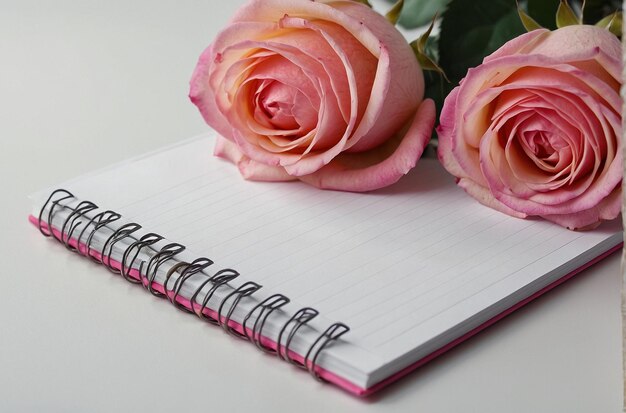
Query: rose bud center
column 274, row 102
column 546, row 146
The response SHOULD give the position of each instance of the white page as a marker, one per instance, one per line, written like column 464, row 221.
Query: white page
column 403, row 266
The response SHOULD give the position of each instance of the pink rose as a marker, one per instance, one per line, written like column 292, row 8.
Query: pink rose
column 327, row 92
column 536, row 129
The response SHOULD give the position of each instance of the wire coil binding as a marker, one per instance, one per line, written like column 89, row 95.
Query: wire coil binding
column 145, row 273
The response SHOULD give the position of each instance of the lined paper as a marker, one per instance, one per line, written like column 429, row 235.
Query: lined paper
column 401, row 266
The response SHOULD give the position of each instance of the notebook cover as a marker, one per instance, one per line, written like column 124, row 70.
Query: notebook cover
column 325, row 374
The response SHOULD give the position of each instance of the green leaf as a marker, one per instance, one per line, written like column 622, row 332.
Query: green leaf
column 432, row 47
column 505, row 29
column 613, row 23
column 417, row 13
column 429, row 64
column 595, row 10
column 436, row 88
column 529, row 23
column 471, row 30
column 606, row 21
column 423, row 39
column 565, row 16
column 419, row 47
column 543, row 12
column 394, row 14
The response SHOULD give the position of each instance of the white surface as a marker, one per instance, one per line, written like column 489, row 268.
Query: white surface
column 79, row 83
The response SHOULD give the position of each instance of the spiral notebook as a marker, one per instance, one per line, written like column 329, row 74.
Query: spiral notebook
column 358, row 289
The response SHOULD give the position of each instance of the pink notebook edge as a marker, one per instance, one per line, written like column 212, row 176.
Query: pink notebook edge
column 342, row 382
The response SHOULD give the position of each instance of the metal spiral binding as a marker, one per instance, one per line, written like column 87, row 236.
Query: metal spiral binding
column 267, row 307
column 81, row 209
column 119, row 234
column 168, row 252
column 331, row 334
column 195, row 267
column 220, row 278
column 48, row 231
column 146, row 273
column 244, row 290
column 300, row 318
column 99, row 221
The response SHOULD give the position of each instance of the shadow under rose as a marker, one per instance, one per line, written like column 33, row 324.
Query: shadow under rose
column 427, row 177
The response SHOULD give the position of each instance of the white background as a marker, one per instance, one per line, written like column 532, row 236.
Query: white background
column 87, row 83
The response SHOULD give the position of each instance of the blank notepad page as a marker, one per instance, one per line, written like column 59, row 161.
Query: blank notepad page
column 401, row 266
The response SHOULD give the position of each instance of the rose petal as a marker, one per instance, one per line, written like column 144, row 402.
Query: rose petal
column 608, row 208
column 351, row 91
column 203, row 96
column 448, row 139
column 522, row 44
column 567, row 45
column 520, row 72
column 572, row 43
column 465, row 154
column 541, row 118
column 399, row 84
column 398, row 87
column 248, row 168
column 202, row 93
column 485, row 197
column 536, row 203
column 227, row 150
column 367, row 81
column 330, row 124
column 256, row 171
column 367, row 171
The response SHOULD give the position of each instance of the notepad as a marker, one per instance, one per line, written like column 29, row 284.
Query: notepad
column 358, row 288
